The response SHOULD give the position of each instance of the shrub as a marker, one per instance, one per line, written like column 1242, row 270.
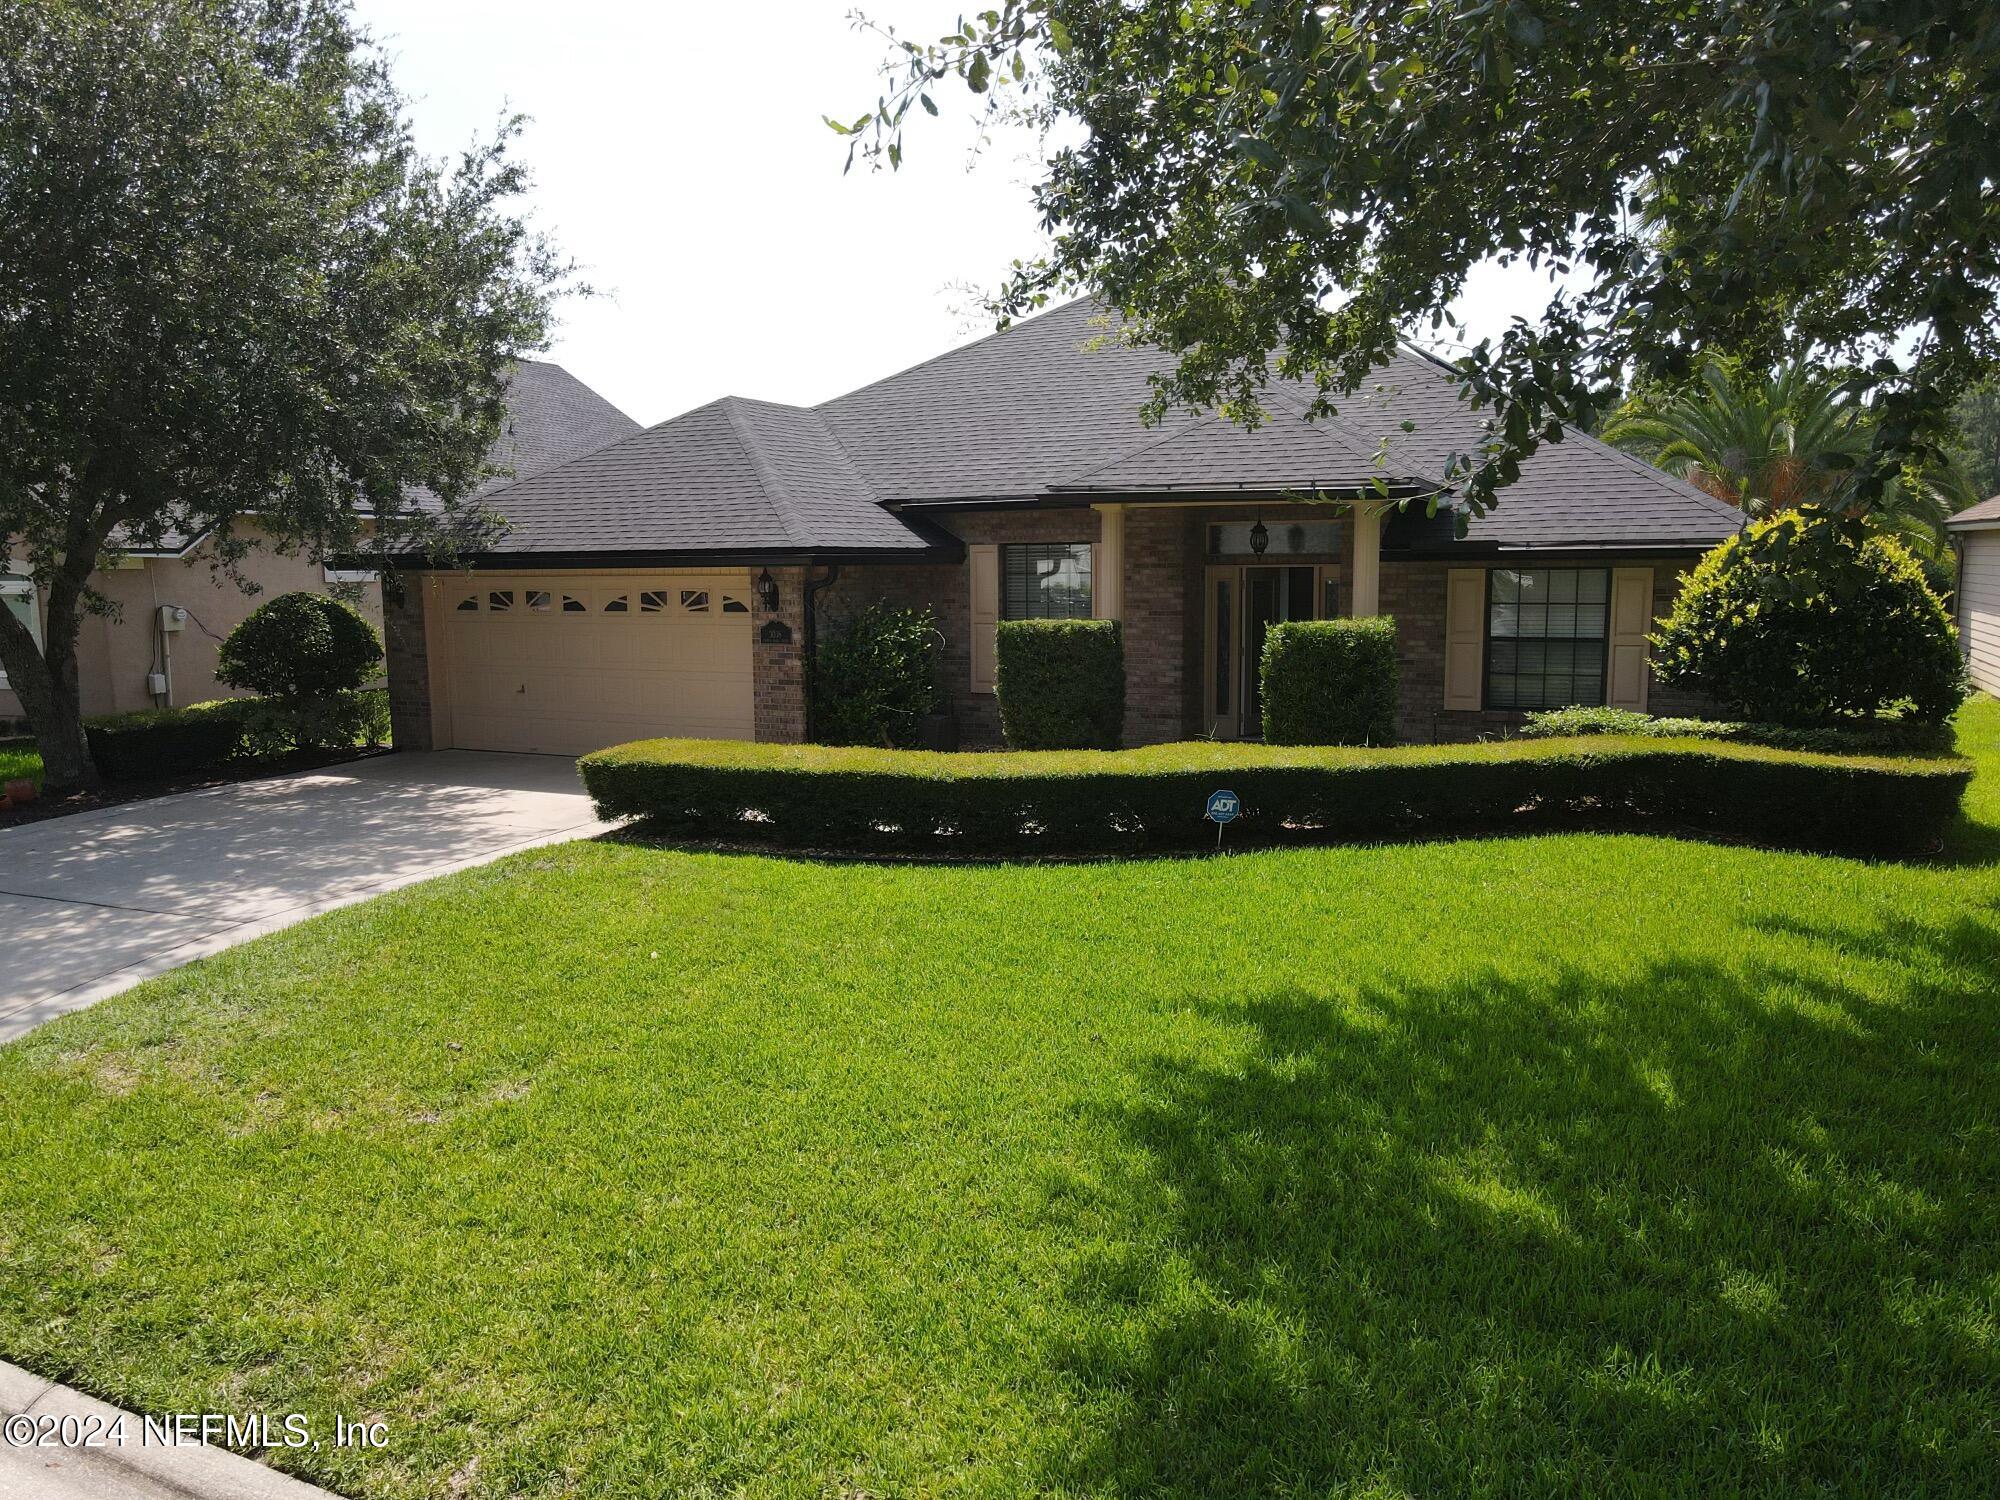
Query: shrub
column 1797, row 623
column 1330, row 682
column 863, row 801
column 1889, row 736
column 156, row 742
column 875, row 677
column 273, row 727
column 153, row 743
column 300, row 647
column 1061, row 684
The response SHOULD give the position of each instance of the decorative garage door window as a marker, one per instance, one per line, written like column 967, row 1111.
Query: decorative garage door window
column 700, row 603
column 1545, row 636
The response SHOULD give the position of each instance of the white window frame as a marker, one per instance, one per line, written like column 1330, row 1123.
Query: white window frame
column 20, row 586
column 350, row 575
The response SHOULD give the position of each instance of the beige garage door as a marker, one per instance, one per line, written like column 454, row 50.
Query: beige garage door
column 565, row 665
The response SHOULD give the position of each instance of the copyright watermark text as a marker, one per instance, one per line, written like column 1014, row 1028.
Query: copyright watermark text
column 245, row 1432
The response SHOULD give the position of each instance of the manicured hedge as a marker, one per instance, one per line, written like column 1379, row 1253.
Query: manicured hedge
column 153, row 743
column 1061, row 684
column 1884, row 736
column 860, row 801
column 157, row 742
column 1330, row 682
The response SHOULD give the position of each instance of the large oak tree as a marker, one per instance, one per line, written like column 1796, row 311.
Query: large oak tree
column 1277, row 185
column 230, row 285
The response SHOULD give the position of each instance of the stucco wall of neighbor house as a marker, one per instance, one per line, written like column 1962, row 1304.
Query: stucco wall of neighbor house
column 116, row 651
column 1414, row 594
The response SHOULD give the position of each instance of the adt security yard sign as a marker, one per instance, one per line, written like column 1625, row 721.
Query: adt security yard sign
column 1223, row 807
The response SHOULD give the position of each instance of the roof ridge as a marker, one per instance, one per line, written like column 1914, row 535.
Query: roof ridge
column 954, row 352
column 767, row 475
column 630, row 437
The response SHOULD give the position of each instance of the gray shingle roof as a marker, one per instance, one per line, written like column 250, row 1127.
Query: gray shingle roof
column 732, row 476
column 1985, row 513
column 552, row 417
column 1050, row 409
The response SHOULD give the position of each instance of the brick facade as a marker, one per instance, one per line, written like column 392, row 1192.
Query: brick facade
column 408, row 659
column 777, row 668
column 1164, row 627
column 1413, row 593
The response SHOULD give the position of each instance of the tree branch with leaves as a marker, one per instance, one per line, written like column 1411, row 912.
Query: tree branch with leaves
column 231, row 285
column 1265, row 187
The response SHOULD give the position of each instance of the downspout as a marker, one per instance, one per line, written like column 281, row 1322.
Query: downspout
column 811, row 633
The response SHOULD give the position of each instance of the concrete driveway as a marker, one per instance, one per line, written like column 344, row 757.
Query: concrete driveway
column 94, row 903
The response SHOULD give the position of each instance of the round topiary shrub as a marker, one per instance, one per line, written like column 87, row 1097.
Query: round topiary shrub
column 300, row 648
column 1800, row 621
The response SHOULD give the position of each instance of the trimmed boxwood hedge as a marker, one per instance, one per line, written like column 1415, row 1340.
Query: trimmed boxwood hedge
column 1061, row 684
column 153, row 743
column 868, row 801
column 1330, row 682
column 158, row 742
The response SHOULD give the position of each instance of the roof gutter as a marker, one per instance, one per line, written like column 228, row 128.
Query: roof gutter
column 794, row 557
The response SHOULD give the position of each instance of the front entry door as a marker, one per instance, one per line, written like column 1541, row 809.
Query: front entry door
column 1243, row 604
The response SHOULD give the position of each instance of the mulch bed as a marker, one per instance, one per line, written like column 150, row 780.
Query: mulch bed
column 113, row 794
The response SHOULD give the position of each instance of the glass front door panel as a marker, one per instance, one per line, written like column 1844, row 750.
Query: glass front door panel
column 1225, row 647
column 1263, row 600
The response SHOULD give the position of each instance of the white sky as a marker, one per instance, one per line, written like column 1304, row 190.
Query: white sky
column 679, row 154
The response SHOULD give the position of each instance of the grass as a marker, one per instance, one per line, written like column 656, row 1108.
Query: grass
column 19, row 758
column 1557, row 1165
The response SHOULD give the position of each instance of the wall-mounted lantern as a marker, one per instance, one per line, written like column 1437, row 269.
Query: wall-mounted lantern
column 767, row 591
column 1260, row 537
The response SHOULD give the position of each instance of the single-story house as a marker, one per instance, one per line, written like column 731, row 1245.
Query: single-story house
column 1976, row 533
column 672, row 583
column 175, row 607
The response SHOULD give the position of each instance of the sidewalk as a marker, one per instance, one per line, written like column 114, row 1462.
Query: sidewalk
column 133, row 1470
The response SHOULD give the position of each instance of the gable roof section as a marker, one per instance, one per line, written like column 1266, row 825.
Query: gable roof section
column 1050, row 407
column 552, row 417
column 733, row 476
column 1215, row 454
column 1049, row 411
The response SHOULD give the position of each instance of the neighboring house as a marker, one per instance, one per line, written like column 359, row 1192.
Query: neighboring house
column 1976, row 532
column 671, row 584
column 175, row 607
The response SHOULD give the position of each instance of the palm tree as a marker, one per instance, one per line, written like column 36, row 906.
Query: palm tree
column 1762, row 442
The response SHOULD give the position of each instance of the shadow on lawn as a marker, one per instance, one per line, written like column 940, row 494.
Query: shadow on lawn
column 1714, row 1228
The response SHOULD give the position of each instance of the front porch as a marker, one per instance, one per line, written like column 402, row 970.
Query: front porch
column 1198, row 584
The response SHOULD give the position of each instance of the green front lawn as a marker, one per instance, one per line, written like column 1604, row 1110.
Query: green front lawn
column 1572, row 1164
column 20, row 758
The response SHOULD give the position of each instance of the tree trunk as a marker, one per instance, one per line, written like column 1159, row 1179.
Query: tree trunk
column 45, row 680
